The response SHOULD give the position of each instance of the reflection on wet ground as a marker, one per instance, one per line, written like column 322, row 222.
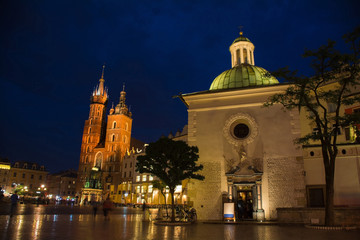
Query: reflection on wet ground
column 63, row 222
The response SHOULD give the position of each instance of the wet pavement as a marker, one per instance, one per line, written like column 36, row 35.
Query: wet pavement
column 65, row 222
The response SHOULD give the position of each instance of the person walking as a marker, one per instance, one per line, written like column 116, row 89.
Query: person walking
column 14, row 200
column 95, row 207
column 240, row 206
column 107, row 206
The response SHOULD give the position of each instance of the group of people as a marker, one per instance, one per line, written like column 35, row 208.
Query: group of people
column 244, row 209
column 107, row 206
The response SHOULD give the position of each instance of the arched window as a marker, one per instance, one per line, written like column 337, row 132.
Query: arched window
column 113, row 138
column 124, row 139
column 88, row 149
column 89, row 130
column 238, row 61
column 245, row 56
column 86, row 159
column 88, row 140
column 126, row 126
column 98, row 161
column 90, row 121
column 114, row 125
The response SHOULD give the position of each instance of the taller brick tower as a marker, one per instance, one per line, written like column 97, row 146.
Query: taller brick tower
column 104, row 144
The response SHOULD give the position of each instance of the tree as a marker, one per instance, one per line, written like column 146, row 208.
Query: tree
column 336, row 75
column 162, row 188
column 171, row 161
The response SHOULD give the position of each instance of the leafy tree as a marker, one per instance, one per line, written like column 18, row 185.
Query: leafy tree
column 313, row 94
column 171, row 161
column 162, row 187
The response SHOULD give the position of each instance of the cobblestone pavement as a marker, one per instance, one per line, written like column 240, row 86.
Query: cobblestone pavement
column 64, row 222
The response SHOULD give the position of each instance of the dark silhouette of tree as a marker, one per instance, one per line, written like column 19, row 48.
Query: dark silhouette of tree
column 171, row 161
column 335, row 79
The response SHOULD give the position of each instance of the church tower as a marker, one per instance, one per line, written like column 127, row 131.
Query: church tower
column 94, row 129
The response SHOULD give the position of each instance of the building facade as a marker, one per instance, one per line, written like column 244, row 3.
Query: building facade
column 106, row 138
column 62, row 185
column 247, row 150
column 347, row 165
column 5, row 166
column 31, row 176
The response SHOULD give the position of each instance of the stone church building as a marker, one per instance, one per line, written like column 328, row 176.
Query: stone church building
column 246, row 149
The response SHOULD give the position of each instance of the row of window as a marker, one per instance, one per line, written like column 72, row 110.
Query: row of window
column 24, row 175
column 144, row 189
column 113, row 137
column 144, row 178
column 114, row 124
column 247, row 59
column 33, row 167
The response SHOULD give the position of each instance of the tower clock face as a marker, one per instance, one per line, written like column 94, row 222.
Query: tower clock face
column 241, row 131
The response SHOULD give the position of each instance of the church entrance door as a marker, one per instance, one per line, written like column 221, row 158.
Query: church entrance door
column 244, row 199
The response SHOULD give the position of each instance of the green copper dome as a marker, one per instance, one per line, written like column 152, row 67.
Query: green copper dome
column 241, row 76
column 241, row 38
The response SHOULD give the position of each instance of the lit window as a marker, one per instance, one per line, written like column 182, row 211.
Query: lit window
column 137, row 189
column 150, row 188
column 144, row 178
column 151, row 178
column 137, row 178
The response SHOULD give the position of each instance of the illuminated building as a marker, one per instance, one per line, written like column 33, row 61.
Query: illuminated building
column 31, row 176
column 4, row 172
column 247, row 150
column 106, row 138
column 347, row 166
column 62, row 185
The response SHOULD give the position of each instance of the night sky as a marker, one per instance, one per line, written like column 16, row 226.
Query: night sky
column 52, row 52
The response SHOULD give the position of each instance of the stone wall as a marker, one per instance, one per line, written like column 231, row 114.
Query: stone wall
column 343, row 216
column 286, row 185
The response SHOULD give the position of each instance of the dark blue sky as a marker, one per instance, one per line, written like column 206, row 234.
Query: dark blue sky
column 52, row 52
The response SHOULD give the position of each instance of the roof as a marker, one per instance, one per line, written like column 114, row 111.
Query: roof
column 28, row 165
column 136, row 144
column 241, row 39
column 243, row 75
